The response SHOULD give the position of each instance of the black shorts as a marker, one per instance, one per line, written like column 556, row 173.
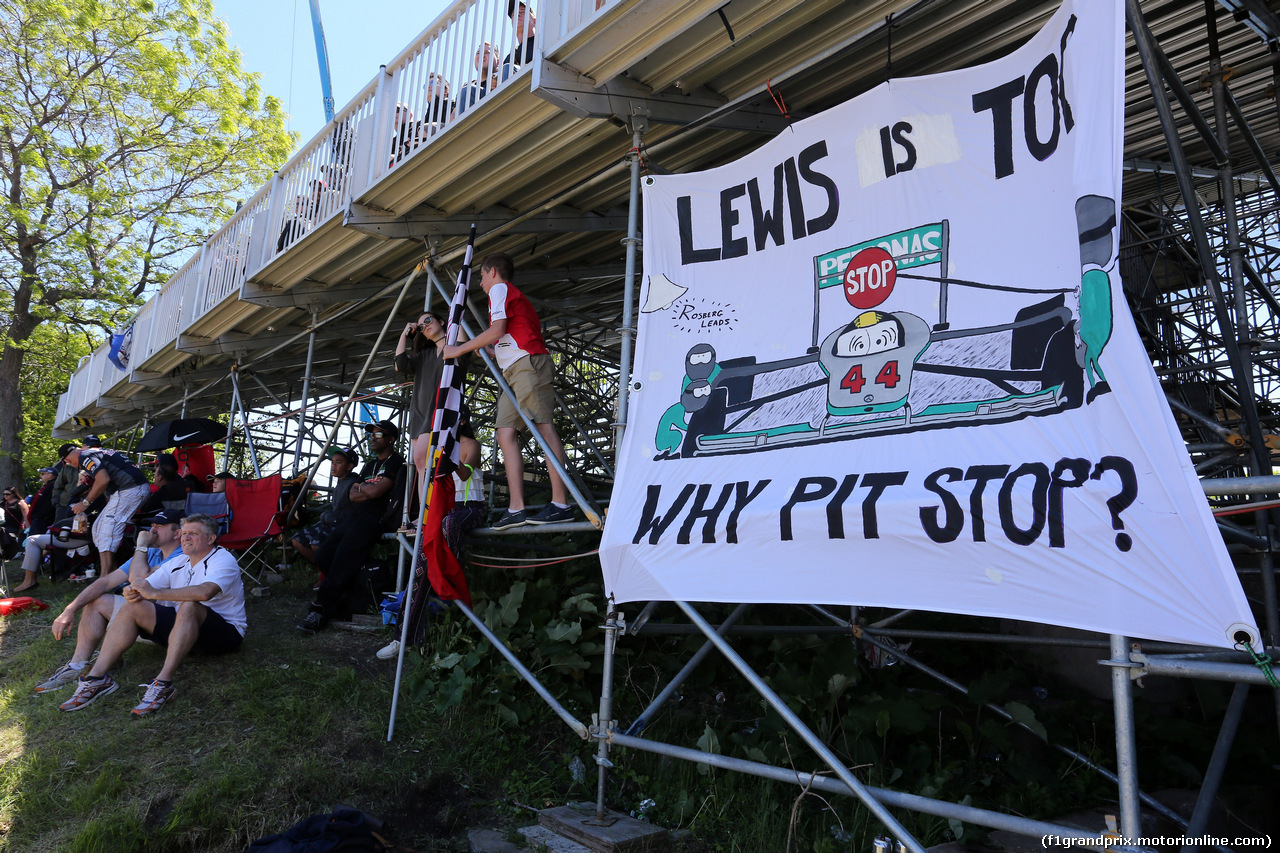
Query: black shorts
column 217, row 635
column 315, row 534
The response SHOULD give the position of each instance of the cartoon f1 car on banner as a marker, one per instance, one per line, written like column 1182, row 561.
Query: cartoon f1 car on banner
column 891, row 371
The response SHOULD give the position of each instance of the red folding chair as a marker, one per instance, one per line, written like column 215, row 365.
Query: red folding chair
column 255, row 521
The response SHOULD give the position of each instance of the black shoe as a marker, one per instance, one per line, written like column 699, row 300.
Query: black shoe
column 313, row 622
column 510, row 519
column 551, row 514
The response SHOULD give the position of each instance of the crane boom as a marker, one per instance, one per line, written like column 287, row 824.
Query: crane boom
column 322, row 56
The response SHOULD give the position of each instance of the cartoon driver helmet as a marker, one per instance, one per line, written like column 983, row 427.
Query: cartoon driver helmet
column 696, row 395
column 699, row 361
column 869, row 333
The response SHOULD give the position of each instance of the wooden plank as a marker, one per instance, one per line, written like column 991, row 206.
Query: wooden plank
column 624, row 834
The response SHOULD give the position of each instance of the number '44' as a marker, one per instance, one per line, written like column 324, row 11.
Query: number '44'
column 888, row 377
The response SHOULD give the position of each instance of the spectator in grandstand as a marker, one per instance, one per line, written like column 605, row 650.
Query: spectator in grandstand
column 516, row 333
column 418, row 355
column 438, row 105
column 197, row 606
column 218, row 482
column 342, row 465
column 525, row 24
column 486, row 64
column 404, row 135
column 126, row 487
column 376, row 504
column 97, row 603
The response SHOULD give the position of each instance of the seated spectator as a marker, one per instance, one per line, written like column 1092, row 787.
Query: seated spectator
column 126, row 487
column 197, row 606
column 42, row 511
column 65, row 480
column 342, row 465
column 158, row 551
column 218, row 482
column 194, row 484
column 170, row 493
column 341, row 556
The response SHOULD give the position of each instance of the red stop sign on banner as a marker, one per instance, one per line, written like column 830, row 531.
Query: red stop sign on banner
column 869, row 278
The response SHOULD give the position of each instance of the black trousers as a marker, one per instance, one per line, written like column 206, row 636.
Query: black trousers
column 341, row 556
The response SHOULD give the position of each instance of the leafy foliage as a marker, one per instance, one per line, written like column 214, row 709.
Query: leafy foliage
column 127, row 127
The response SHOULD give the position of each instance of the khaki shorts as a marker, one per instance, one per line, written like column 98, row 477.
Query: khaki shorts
column 530, row 380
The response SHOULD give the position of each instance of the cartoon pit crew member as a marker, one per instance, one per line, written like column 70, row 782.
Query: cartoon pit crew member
column 869, row 361
column 1096, row 222
column 700, row 372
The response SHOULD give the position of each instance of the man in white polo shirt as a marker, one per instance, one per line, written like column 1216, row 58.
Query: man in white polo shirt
column 206, row 616
column 157, row 551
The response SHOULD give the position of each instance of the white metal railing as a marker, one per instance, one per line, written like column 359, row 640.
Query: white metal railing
column 565, row 16
column 226, row 259
column 64, row 408
column 315, row 185
column 141, row 324
column 165, row 321
column 86, row 382
column 473, row 49
column 104, row 373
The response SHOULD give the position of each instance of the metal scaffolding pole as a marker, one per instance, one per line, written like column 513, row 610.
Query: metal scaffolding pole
column 1126, row 745
column 639, row 124
column 1217, row 765
column 1261, row 455
column 605, row 724
column 806, row 734
column 306, row 390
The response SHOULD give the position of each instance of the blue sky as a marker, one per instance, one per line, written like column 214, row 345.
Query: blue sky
column 276, row 40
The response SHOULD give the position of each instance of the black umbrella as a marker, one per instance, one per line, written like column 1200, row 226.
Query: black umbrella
column 168, row 434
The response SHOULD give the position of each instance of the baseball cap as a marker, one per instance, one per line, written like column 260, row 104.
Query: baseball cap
column 67, row 448
column 47, row 471
column 221, row 475
column 349, row 452
column 167, row 516
column 392, row 431
column 92, row 441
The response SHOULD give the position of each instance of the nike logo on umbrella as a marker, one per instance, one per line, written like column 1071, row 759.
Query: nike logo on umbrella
column 178, row 438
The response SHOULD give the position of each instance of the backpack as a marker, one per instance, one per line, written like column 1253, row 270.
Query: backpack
column 345, row 829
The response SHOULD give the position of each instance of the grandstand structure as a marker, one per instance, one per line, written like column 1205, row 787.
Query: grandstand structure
column 312, row 278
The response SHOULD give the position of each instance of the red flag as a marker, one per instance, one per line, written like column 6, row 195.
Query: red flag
column 443, row 569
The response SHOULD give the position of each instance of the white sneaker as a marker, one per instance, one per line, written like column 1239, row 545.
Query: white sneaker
column 389, row 651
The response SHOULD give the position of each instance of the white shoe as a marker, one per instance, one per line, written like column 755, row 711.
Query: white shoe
column 389, row 651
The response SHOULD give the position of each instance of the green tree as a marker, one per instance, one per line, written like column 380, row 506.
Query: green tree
column 51, row 355
column 127, row 128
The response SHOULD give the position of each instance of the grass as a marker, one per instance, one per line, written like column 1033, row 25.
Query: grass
column 291, row 726
column 286, row 727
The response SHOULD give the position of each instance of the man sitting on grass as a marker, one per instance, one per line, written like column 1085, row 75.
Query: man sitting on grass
column 157, row 551
column 197, row 606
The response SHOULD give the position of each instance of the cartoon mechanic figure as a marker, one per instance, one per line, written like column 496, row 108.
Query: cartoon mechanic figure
column 869, row 362
column 700, row 372
column 1096, row 222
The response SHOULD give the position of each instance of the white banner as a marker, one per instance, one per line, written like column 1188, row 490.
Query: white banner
column 886, row 360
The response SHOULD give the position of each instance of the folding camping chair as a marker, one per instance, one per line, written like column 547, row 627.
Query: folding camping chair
column 255, row 521
column 211, row 504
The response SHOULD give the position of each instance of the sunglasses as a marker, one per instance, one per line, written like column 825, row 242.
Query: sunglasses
column 377, row 435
